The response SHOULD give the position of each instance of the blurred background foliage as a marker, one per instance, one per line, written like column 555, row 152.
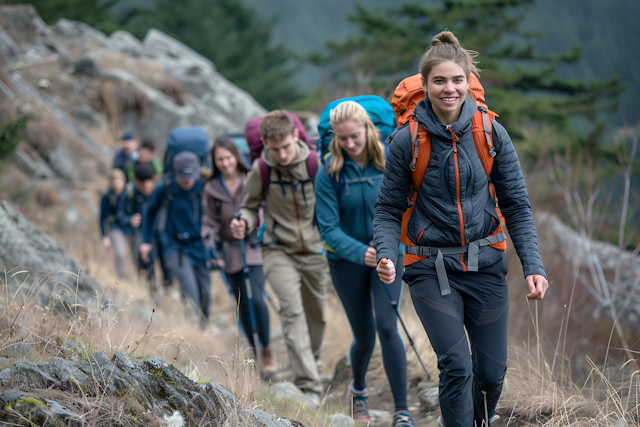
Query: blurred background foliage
column 561, row 75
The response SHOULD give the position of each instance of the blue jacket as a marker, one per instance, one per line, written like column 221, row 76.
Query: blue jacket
column 435, row 220
column 132, row 201
column 184, row 220
column 108, row 211
column 344, row 209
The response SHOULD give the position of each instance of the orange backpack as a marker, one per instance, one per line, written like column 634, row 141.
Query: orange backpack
column 405, row 98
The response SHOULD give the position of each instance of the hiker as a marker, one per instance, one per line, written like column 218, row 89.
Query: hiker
column 294, row 263
column 346, row 190
column 109, row 206
column 454, row 260
column 127, row 153
column 184, row 251
column 146, row 154
column 133, row 204
column 221, row 200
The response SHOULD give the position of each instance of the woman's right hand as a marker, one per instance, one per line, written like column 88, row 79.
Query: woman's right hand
column 386, row 271
column 370, row 257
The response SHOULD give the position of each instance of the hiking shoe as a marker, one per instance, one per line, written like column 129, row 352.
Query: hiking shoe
column 403, row 419
column 268, row 362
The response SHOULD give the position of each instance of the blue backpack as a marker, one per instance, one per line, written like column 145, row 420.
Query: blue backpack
column 379, row 110
column 192, row 138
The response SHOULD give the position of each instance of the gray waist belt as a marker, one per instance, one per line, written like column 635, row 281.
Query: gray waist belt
column 472, row 248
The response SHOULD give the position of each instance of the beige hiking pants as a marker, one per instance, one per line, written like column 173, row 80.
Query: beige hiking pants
column 300, row 283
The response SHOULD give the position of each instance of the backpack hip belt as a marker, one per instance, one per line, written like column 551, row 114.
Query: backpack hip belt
column 473, row 248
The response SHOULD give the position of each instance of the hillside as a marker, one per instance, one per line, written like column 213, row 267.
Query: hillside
column 605, row 31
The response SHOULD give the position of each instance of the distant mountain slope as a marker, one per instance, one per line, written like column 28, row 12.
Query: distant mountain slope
column 606, row 31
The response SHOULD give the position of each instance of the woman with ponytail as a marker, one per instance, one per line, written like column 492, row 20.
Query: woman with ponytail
column 346, row 190
column 455, row 262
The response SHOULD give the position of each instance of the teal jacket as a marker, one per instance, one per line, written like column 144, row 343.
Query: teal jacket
column 344, row 209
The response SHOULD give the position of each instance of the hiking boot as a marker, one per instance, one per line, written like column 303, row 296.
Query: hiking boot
column 403, row 419
column 268, row 362
column 360, row 405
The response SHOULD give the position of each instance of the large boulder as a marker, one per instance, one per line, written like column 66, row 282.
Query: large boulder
column 25, row 247
column 149, row 390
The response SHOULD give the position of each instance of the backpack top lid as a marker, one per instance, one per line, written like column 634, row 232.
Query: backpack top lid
column 254, row 138
column 191, row 138
column 378, row 109
column 410, row 92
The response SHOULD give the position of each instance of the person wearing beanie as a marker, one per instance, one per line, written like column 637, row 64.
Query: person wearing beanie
column 182, row 247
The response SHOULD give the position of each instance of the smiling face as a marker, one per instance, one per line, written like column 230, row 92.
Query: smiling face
column 352, row 138
column 226, row 162
column 446, row 88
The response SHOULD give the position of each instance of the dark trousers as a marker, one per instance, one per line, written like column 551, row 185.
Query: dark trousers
column 369, row 310
column 195, row 282
column 237, row 283
column 478, row 301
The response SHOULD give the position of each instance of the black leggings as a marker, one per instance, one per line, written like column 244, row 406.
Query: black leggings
column 236, row 281
column 362, row 293
column 479, row 303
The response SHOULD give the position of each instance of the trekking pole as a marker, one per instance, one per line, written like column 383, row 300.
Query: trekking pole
column 394, row 304
column 252, row 313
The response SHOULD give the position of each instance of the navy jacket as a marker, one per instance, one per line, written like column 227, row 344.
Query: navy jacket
column 132, row 201
column 184, row 220
column 344, row 209
column 108, row 211
column 436, row 211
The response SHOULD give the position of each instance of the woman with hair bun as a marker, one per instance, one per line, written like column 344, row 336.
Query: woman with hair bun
column 454, row 261
column 346, row 190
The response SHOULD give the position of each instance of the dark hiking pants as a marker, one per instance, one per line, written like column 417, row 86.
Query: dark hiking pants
column 479, row 302
column 195, row 282
column 237, row 283
column 369, row 310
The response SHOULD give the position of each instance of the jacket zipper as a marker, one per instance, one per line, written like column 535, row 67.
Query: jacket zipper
column 295, row 205
column 460, row 214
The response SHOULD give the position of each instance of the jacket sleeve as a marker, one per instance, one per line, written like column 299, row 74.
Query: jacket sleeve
column 252, row 197
column 210, row 221
column 154, row 202
column 328, row 216
column 122, row 217
column 104, row 207
column 392, row 197
column 513, row 200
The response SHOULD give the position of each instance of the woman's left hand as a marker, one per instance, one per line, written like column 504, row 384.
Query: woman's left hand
column 537, row 285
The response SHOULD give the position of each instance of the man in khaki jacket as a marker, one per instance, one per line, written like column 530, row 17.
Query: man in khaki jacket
column 294, row 263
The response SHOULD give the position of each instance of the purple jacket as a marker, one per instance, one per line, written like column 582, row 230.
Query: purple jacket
column 218, row 209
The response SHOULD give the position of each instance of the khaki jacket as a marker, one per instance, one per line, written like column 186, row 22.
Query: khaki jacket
column 290, row 202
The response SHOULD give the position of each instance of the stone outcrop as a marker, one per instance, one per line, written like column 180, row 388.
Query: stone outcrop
column 97, row 388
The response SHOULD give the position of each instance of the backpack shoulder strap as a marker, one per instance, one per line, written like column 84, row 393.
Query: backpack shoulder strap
column 421, row 143
column 312, row 165
column 265, row 172
column 481, row 126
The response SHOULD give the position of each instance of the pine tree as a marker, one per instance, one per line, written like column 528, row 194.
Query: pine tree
column 521, row 85
column 234, row 37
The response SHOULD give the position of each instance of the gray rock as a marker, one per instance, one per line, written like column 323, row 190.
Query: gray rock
column 159, row 387
column 429, row 398
column 288, row 391
column 10, row 52
column 37, row 168
column 18, row 350
column 24, row 245
column 62, row 163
